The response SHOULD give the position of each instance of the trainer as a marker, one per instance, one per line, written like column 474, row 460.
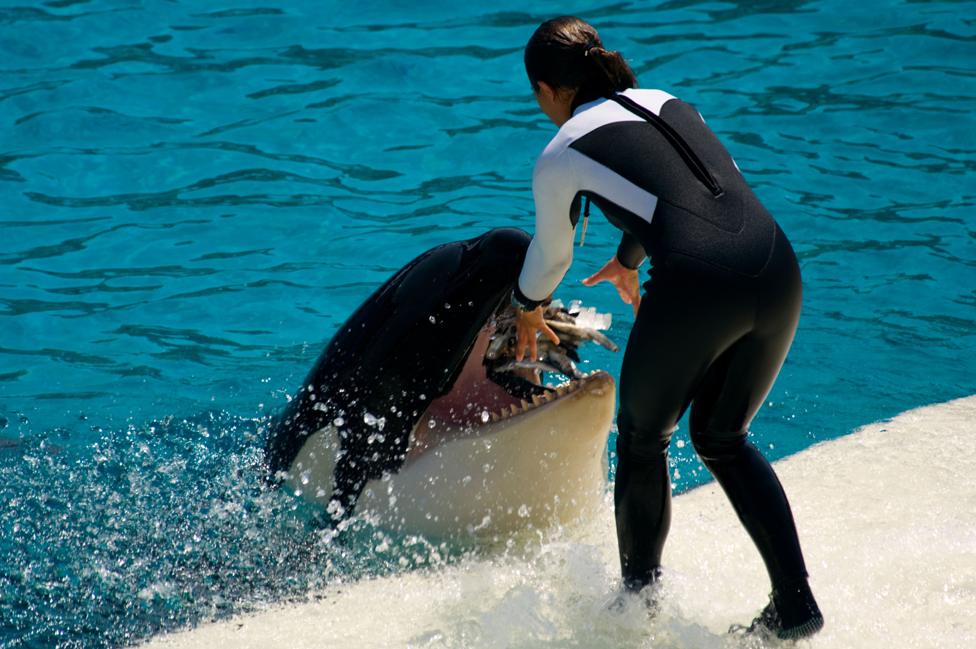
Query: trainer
column 718, row 314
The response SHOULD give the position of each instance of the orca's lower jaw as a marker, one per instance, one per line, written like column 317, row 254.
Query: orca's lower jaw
column 528, row 465
column 539, row 463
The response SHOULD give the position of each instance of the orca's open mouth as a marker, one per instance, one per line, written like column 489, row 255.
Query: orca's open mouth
column 522, row 380
column 493, row 386
column 473, row 405
column 480, row 397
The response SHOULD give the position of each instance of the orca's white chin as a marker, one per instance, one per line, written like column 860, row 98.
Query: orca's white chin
column 528, row 464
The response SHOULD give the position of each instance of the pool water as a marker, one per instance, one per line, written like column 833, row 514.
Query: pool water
column 193, row 196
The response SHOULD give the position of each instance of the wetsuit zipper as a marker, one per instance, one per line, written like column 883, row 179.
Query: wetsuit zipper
column 695, row 164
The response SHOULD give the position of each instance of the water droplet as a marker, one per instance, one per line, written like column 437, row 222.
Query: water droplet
column 338, row 421
column 485, row 416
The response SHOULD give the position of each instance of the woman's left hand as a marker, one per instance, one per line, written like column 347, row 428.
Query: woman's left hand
column 625, row 280
column 527, row 325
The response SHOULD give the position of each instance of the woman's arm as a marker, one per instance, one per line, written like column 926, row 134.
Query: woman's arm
column 630, row 252
column 554, row 186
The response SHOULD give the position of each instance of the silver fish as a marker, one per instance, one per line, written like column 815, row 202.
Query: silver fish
column 580, row 334
column 527, row 364
column 559, row 359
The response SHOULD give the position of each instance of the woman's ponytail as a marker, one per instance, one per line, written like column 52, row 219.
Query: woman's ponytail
column 567, row 52
column 618, row 74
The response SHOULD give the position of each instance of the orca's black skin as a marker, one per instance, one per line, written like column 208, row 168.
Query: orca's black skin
column 401, row 349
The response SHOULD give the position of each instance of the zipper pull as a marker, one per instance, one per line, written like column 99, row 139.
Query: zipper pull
column 586, row 217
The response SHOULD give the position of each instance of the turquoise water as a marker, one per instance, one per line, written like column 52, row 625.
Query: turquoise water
column 193, row 196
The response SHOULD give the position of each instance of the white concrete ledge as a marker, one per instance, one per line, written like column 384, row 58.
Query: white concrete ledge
column 887, row 518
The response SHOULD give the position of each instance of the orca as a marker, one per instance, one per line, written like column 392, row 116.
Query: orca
column 399, row 419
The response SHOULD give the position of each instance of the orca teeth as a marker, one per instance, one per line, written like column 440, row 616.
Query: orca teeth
column 538, row 399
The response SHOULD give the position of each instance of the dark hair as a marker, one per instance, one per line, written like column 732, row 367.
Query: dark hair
column 566, row 52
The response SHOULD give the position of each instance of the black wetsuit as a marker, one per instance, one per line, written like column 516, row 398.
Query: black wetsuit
column 714, row 327
column 404, row 347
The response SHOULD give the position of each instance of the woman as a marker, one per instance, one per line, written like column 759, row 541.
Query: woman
column 719, row 312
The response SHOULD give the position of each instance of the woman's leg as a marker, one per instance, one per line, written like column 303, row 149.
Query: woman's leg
column 729, row 396
column 681, row 327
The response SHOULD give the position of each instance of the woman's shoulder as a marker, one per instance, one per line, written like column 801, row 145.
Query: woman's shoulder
column 594, row 114
column 588, row 118
column 650, row 98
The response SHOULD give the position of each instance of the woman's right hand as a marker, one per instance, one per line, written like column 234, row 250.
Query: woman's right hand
column 625, row 280
column 528, row 324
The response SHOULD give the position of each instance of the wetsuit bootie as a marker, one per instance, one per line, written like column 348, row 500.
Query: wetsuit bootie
column 646, row 591
column 790, row 615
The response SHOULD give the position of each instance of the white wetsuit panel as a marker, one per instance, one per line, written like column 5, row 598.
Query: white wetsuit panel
column 561, row 174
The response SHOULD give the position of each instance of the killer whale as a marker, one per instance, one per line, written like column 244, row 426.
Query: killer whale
column 399, row 418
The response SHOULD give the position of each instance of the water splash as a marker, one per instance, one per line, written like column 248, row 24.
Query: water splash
column 158, row 526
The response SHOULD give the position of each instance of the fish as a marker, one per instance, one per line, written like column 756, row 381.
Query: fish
column 551, row 358
column 580, row 334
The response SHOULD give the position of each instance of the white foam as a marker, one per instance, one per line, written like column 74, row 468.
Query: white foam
column 586, row 317
column 886, row 517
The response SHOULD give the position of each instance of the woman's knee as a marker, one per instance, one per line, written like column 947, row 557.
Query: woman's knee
column 645, row 440
column 714, row 444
